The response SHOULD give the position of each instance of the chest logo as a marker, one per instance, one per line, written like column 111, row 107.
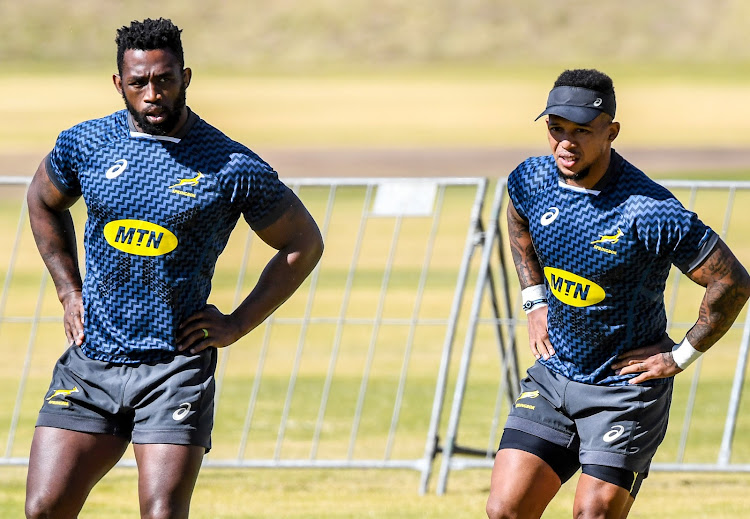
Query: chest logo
column 608, row 239
column 186, row 182
column 572, row 289
column 116, row 170
column 139, row 237
column 549, row 217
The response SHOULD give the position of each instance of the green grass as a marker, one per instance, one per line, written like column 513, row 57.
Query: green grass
column 387, row 494
column 392, row 111
column 397, row 106
column 350, row 493
column 658, row 38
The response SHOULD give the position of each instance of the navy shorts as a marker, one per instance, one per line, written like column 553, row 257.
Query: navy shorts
column 610, row 426
column 168, row 402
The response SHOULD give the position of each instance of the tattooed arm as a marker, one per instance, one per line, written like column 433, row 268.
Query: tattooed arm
column 529, row 273
column 727, row 286
column 727, row 289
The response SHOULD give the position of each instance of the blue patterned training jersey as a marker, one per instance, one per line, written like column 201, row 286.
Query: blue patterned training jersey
column 159, row 212
column 606, row 254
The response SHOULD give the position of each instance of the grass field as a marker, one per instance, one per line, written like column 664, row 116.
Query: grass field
column 353, row 493
column 449, row 109
column 314, row 494
column 432, row 109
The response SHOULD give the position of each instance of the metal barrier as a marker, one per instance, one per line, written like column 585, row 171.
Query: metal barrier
column 720, row 204
column 340, row 375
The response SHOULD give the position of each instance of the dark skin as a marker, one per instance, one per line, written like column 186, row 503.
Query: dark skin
column 582, row 151
column 65, row 465
column 522, row 484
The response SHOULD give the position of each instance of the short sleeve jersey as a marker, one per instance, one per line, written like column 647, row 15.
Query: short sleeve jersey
column 160, row 211
column 606, row 256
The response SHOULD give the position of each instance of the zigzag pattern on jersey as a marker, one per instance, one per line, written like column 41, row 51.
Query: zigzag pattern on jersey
column 624, row 240
column 76, row 145
column 134, row 303
column 533, row 176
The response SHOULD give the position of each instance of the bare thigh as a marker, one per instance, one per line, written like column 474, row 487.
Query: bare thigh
column 166, row 478
column 63, row 468
column 522, row 485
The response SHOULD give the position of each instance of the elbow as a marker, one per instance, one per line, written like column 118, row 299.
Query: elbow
column 308, row 253
column 315, row 251
column 744, row 286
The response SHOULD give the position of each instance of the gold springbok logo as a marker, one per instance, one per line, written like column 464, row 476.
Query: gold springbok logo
column 187, row 181
column 63, row 392
column 528, row 394
column 612, row 238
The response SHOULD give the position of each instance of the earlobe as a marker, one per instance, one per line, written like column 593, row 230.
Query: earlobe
column 187, row 75
column 614, row 131
column 117, row 80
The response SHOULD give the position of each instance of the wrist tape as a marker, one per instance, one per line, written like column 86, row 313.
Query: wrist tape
column 534, row 297
column 684, row 354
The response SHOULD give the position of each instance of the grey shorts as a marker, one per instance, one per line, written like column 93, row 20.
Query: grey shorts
column 168, row 402
column 613, row 426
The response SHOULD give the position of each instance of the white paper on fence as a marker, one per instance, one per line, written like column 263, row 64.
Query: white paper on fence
column 405, row 198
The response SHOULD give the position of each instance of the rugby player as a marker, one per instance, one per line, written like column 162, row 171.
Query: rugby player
column 593, row 240
column 163, row 191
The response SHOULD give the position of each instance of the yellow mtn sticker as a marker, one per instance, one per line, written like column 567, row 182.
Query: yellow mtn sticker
column 139, row 237
column 572, row 289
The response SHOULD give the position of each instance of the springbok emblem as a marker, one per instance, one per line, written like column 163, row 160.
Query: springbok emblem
column 612, row 238
column 62, row 392
column 187, row 181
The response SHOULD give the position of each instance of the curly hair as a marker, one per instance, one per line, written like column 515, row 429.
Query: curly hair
column 586, row 78
column 149, row 35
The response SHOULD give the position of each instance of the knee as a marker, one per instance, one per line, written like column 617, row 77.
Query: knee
column 497, row 509
column 41, row 509
column 594, row 509
column 163, row 509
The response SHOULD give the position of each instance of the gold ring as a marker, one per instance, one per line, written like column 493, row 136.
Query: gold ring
column 205, row 333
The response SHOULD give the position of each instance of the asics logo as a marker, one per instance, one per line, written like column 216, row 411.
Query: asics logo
column 116, row 170
column 550, row 216
column 598, row 101
column 181, row 412
column 614, row 433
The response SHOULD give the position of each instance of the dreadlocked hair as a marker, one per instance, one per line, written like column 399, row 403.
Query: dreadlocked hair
column 586, row 78
column 149, row 35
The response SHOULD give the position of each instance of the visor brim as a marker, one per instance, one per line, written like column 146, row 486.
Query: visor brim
column 576, row 114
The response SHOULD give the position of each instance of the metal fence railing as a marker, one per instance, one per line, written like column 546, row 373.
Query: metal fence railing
column 694, row 442
column 343, row 374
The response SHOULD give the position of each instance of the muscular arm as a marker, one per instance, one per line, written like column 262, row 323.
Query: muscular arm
column 55, row 238
column 529, row 273
column 296, row 237
column 727, row 289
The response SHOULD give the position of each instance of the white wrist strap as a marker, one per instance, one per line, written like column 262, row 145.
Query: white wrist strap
column 534, row 297
column 533, row 293
column 684, row 354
